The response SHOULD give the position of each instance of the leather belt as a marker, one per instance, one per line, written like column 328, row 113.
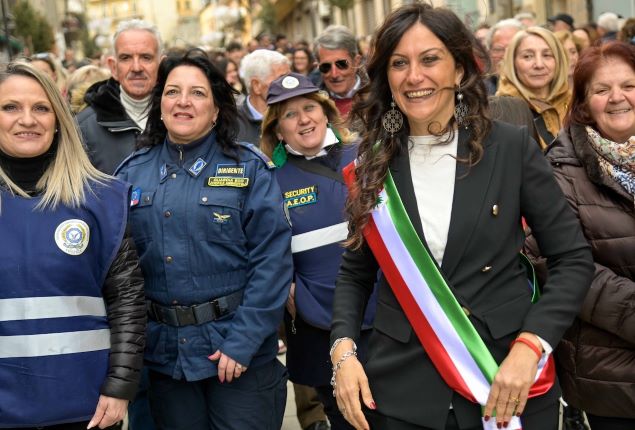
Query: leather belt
column 202, row 313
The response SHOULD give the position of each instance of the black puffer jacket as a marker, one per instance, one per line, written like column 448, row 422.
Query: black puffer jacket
column 126, row 310
column 596, row 357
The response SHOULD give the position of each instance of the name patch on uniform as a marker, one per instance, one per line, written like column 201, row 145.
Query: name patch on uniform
column 72, row 236
column 229, row 175
column 301, row 196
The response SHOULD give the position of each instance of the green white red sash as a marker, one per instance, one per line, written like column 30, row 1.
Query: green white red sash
column 445, row 332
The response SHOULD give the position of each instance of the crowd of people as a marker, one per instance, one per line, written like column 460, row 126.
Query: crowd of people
column 436, row 224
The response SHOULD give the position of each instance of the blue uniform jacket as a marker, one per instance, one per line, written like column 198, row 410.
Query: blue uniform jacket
column 206, row 226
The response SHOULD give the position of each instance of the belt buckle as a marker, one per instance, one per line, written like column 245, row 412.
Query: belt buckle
column 185, row 315
column 218, row 311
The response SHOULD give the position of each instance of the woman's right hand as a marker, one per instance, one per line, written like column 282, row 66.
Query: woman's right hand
column 350, row 382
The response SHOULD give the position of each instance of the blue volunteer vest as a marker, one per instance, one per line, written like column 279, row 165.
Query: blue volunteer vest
column 54, row 333
column 318, row 221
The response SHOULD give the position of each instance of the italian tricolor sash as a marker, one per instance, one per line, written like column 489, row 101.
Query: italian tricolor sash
column 445, row 332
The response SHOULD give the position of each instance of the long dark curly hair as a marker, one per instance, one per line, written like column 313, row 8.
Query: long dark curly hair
column 375, row 98
column 226, row 122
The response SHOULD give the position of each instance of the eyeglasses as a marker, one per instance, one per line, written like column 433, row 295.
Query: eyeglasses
column 340, row 64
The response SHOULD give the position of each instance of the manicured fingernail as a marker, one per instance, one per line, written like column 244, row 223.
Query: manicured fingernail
column 505, row 424
column 499, row 425
column 518, row 414
column 486, row 417
column 373, row 406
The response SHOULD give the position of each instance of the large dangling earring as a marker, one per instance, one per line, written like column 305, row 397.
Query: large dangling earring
column 392, row 120
column 279, row 155
column 460, row 109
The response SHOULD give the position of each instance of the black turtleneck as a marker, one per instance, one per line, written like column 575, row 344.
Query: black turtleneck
column 26, row 172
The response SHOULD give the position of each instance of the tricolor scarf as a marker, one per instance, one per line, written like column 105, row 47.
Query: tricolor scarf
column 445, row 332
column 617, row 160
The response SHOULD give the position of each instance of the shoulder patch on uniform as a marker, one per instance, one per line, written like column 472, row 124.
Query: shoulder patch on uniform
column 253, row 148
column 130, row 157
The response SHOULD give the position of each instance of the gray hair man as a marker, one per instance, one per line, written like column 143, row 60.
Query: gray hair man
column 500, row 35
column 118, row 107
column 608, row 25
column 339, row 63
column 258, row 70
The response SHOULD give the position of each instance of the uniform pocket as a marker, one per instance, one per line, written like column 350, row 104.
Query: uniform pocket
column 221, row 213
column 156, row 339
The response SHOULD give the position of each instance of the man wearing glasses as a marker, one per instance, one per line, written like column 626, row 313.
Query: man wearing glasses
column 500, row 35
column 339, row 63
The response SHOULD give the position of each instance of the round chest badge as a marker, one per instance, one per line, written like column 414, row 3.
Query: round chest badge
column 72, row 236
column 290, row 82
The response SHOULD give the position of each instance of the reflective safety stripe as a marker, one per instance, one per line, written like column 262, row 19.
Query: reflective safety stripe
column 40, row 345
column 31, row 308
column 316, row 238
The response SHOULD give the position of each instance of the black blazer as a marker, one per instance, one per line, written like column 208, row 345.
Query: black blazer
column 482, row 265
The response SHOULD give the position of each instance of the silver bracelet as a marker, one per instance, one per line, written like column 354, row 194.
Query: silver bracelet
column 338, row 341
column 339, row 363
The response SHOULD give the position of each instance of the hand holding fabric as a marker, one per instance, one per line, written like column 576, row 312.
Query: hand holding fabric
column 515, row 376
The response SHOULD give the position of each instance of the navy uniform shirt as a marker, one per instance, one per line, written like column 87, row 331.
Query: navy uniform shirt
column 206, row 226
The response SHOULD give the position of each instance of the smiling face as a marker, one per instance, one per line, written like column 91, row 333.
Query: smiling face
column 535, row 65
column 302, row 125
column 187, row 105
column 27, row 120
column 611, row 100
column 338, row 80
column 422, row 76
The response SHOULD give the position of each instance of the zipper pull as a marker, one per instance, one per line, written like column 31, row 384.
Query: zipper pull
column 293, row 330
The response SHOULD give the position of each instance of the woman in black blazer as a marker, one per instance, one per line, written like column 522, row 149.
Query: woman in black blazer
column 438, row 181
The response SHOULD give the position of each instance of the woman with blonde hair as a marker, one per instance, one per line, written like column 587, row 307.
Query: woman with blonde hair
column 535, row 69
column 79, row 82
column 72, row 311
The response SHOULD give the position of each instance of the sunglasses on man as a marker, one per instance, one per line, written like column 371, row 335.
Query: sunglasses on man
column 340, row 64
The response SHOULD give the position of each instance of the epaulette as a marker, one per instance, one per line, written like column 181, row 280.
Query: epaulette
column 253, row 148
column 130, row 157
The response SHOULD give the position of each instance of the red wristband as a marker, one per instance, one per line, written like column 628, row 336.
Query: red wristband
column 529, row 343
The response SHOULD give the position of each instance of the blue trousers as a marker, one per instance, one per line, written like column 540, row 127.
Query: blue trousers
column 256, row 400
column 139, row 417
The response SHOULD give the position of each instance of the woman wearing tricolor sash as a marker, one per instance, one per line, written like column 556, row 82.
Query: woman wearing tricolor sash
column 461, row 338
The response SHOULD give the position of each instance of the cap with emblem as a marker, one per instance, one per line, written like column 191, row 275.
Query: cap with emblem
column 289, row 86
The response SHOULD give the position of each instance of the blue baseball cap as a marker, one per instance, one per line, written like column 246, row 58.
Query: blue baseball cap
column 289, row 86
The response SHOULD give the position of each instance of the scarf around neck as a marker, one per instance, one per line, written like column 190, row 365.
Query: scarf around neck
column 616, row 160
